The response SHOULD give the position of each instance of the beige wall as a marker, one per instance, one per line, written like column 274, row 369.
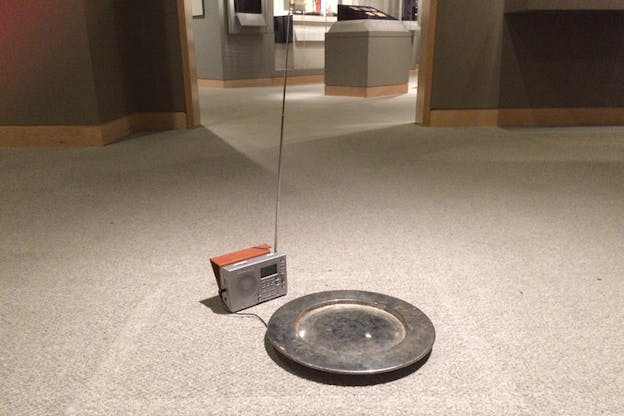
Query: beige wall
column 84, row 62
column 485, row 58
column 46, row 74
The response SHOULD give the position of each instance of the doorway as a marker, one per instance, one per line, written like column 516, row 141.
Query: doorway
column 308, row 102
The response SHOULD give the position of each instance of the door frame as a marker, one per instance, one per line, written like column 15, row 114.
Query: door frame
column 427, row 18
column 189, row 63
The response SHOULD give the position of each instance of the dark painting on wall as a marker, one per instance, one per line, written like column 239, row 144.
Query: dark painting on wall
column 410, row 10
column 248, row 6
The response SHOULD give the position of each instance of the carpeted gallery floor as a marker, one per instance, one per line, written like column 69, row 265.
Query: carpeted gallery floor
column 511, row 240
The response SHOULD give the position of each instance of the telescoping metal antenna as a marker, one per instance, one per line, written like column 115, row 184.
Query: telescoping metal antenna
column 281, row 141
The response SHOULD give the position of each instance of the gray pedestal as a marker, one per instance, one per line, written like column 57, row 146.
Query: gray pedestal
column 366, row 58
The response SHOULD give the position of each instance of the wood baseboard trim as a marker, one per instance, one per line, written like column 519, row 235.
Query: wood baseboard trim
column 158, row 121
column 94, row 135
column 589, row 116
column 235, row 83
column 15, row 136
column 299, row 79
column 210, row 83
column 451, row 118
column 116, row 130
column 366, row 92
column 259, row 82
column 245, row 83
column 136, row 122
column 529, row 117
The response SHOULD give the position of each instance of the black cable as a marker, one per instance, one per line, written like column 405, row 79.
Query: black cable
column 251, row 315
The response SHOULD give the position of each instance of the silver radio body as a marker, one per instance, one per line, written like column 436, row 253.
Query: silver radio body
column 252, row 281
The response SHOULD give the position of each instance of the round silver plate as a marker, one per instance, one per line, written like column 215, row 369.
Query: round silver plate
column 351, row 332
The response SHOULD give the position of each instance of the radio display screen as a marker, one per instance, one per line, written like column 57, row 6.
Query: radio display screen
column 268, row 271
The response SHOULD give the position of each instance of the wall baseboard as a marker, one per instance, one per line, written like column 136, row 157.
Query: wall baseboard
column 588, row 116
column 234, row 83
column 299, row 79
column 366, row 92
column 259, row 82
column 528, row 117
column 485, row 117
column 13, row 136
column 91, row 135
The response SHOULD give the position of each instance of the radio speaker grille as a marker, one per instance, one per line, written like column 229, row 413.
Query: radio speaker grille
column 246, row 284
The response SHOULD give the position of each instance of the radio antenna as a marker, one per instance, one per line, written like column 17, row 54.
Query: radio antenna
column 281, row 142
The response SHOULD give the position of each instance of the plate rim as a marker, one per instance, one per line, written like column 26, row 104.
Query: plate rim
column 301, row 305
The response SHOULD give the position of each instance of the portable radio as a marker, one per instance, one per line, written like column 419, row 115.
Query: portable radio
column 251, row 276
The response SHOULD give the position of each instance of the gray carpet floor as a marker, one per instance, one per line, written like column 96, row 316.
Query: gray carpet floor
column 510, row 240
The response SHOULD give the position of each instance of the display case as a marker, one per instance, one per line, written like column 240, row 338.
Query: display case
column 367, row 58
column 247, row 16
column 312, row 19
column 410, row 10
column 283, row 29
column 346, row 12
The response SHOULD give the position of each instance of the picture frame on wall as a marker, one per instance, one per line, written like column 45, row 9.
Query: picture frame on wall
column 197, row 7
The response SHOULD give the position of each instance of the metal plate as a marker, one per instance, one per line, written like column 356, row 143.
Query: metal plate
column 351, row 332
